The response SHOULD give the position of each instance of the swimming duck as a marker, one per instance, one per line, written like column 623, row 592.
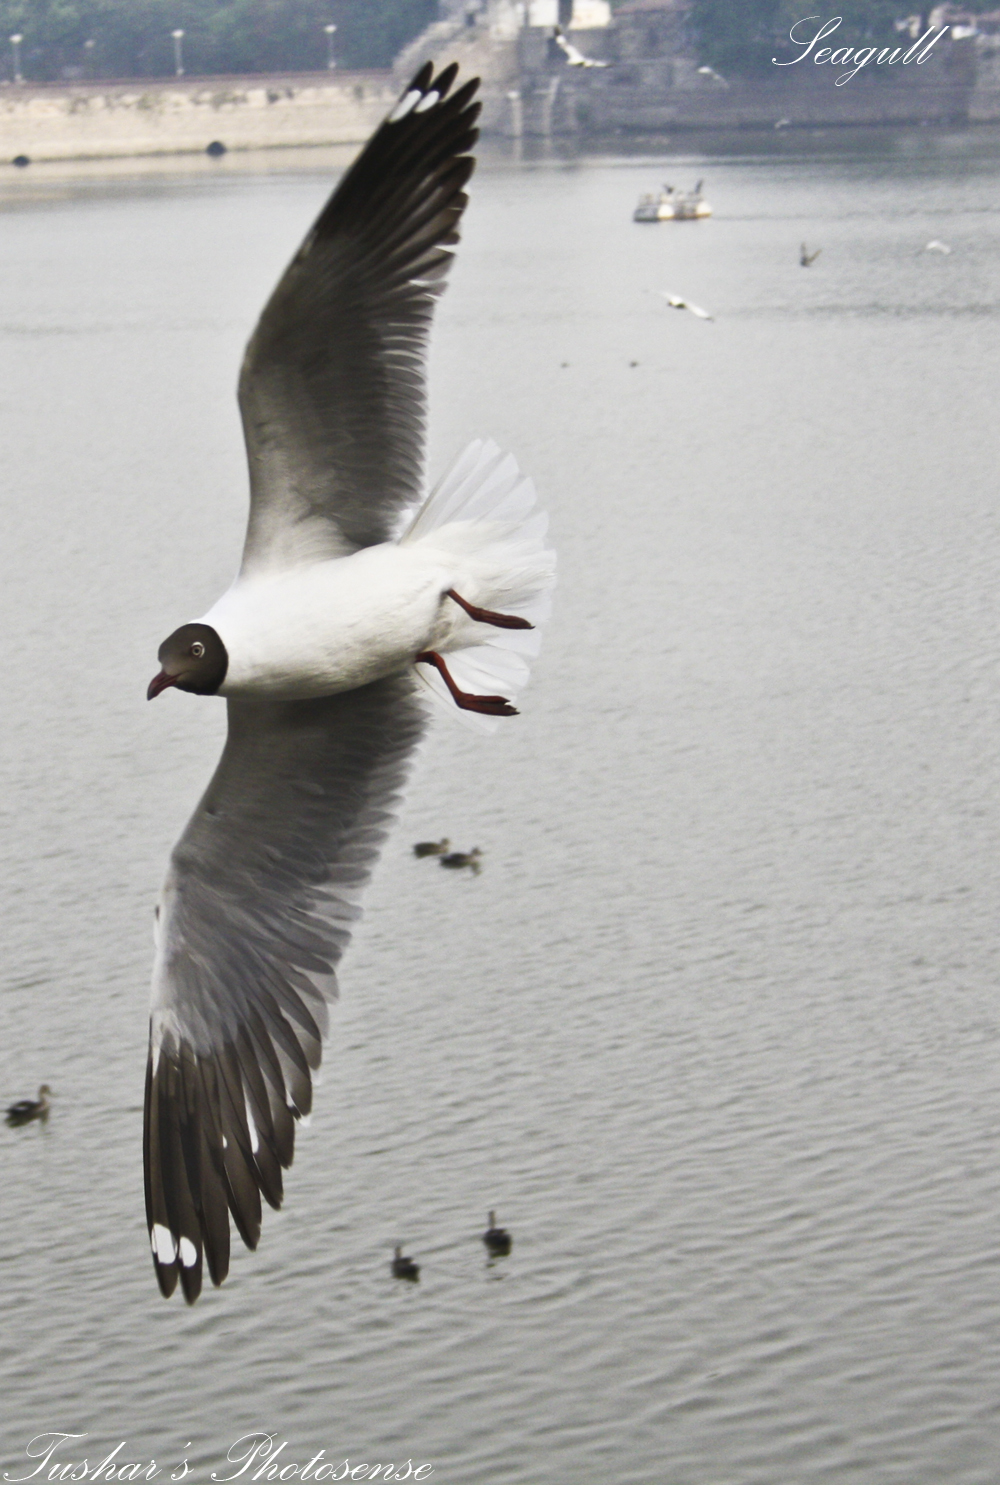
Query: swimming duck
column 431, row 847
column 457, row 859
column 403, row 1267
column 497, row 1239
column 30, row 1108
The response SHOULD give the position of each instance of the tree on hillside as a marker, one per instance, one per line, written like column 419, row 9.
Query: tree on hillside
column 373, row 32
column 736, row 37
column 132, row 38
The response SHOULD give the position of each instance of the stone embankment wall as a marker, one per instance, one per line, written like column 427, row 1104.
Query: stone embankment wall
column 527, row 89
column 651, row 97
column 652, row 94
column 802, row 102
column 149, row 117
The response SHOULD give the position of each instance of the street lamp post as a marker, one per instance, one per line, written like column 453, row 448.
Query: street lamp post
column 330, row 33
column 15, row 42
column 178, row 57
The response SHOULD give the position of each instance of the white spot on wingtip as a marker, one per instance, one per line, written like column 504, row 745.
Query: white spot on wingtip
column 189, row 1253
column 405, row 104
column 161, row 1240
column 427, row 101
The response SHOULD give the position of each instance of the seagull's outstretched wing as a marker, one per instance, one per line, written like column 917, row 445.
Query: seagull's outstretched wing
column 332, row 389
column 675, row 302
column 574, row 55
column 255, row 913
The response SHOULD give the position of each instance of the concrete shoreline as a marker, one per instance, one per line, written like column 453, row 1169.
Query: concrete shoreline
column 522, row 95
column 151, row 116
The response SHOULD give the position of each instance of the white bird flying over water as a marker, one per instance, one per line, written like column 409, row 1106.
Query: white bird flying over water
column 574, row 56
column 677, row 303
column 710, row 72
column 352, row 591
column 934, row 246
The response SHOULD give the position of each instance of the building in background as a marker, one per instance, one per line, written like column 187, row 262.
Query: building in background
column 653, row 29
column 506, row 18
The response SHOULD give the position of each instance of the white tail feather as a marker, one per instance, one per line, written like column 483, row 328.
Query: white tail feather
column 482, row 515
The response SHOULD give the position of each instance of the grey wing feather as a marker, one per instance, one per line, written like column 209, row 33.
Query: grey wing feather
column 332, row 389
column 257, row 908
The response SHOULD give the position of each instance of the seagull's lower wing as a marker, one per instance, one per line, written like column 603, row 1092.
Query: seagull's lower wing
column 256, row 911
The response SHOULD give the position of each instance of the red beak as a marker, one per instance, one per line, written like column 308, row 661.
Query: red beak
column 160, row 683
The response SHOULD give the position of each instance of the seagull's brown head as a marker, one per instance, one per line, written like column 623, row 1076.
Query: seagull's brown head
column 193, row 658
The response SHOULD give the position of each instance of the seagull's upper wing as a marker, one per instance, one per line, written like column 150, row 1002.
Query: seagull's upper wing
column 332, row 388
column 255, row 913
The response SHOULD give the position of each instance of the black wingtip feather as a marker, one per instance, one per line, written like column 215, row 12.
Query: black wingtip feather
column 191, row 1280
column 444, row 80
column 166, row 1276
column 421, row 81
column 215, row 1206
column 465, row 92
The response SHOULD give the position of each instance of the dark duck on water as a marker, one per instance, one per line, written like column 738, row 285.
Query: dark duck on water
column 497, row 1239
column 404, row 1267
column 27, row 1109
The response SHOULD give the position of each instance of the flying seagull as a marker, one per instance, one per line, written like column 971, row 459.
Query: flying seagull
column 353, row 590
column 806, row 258
column 711, row 73
column 574, row 56
column 934, row 246
column 676, row 303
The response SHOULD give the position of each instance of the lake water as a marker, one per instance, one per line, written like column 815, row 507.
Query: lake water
column 716, row 1029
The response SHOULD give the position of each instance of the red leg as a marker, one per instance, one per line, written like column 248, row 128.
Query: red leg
column 487, row 616
column 493, row 706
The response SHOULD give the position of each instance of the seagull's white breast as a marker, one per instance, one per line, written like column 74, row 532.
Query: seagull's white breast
column 330, row 626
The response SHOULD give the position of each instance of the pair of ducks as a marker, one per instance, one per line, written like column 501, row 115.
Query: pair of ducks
column 448, row 857
column 498, row 1244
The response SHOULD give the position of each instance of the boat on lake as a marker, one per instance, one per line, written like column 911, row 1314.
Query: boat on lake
column 671, row 205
